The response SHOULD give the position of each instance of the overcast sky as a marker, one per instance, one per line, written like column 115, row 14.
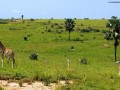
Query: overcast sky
column 93, row 9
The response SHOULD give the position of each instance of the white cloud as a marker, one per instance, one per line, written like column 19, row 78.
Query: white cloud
column 15, row 11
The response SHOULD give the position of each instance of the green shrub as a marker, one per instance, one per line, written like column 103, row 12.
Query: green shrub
column 4, row 21
column 18, row 76
column 85, row 30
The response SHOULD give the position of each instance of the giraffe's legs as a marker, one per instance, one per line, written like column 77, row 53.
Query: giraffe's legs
column 12, row 58
column 2, row 56
column 12, row 63
column 2, row 63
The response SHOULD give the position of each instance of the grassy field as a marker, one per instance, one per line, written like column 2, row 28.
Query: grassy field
column 49, row 40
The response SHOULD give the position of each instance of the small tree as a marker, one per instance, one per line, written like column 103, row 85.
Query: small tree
column 114, row 25
column 69, row 25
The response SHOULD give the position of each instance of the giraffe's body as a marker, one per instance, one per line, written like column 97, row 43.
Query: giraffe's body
column 6, row 52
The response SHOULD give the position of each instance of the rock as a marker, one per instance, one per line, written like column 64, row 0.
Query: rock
column 4, row 83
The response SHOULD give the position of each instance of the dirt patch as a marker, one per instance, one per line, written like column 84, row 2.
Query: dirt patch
column 25, row 86
column 33, row 86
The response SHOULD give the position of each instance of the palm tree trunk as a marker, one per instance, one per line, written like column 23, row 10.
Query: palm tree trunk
column 115, row 48
column 115, row 52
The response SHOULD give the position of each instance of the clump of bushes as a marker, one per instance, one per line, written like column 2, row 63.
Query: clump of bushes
column 103, row 31
column 17, row 28
column 56, row 24
column 78, row 39
column 86, row 30
column 96, row 30
column 32, row 19
column 18, row 76
column 3, row 21
column 25, row 38
column 33, row 56
column 59, row 27
column 72, row 48
column 59, row 31
column 84, row 61
column 49, row 30
column 13, row 28
column 52, row 26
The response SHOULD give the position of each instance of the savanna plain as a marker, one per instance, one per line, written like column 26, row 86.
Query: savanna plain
column 49, row 40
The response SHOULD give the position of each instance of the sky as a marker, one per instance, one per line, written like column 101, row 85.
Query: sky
column 93, row 9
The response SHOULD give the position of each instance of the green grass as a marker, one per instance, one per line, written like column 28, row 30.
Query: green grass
column 54, row 49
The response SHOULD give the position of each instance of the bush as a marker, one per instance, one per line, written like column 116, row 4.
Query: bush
column 96, row 30
column 103, row 31
column 84, row 61
column 59, row 31
column 85, row 30
column 18, row 76
column 78, row 39
column 32, row 19
column 25, row 39
column 12, row 28
column 82, row 24
column 52, row 26
column 33, row 56
column 86, row 18
column 56, row 24
column 2, row 21
column 17, row 28
column 59, row 27
column 49, row 30
column 72, row 47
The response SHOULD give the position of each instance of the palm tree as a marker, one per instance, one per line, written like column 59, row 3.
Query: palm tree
column 114, row 25
column 69, row 25
column 22, row 16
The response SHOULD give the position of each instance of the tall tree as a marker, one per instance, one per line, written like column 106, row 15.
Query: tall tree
column 69, row 25
column 114, row 25
column 22, row 16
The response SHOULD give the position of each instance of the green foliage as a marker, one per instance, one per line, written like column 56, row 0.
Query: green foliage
column 72, row 47
column 18, row 76
column 4, row 21
column 114, row 25
column 69, row 25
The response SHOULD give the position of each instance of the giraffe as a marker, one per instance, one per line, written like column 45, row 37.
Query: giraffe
column 6, row 52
